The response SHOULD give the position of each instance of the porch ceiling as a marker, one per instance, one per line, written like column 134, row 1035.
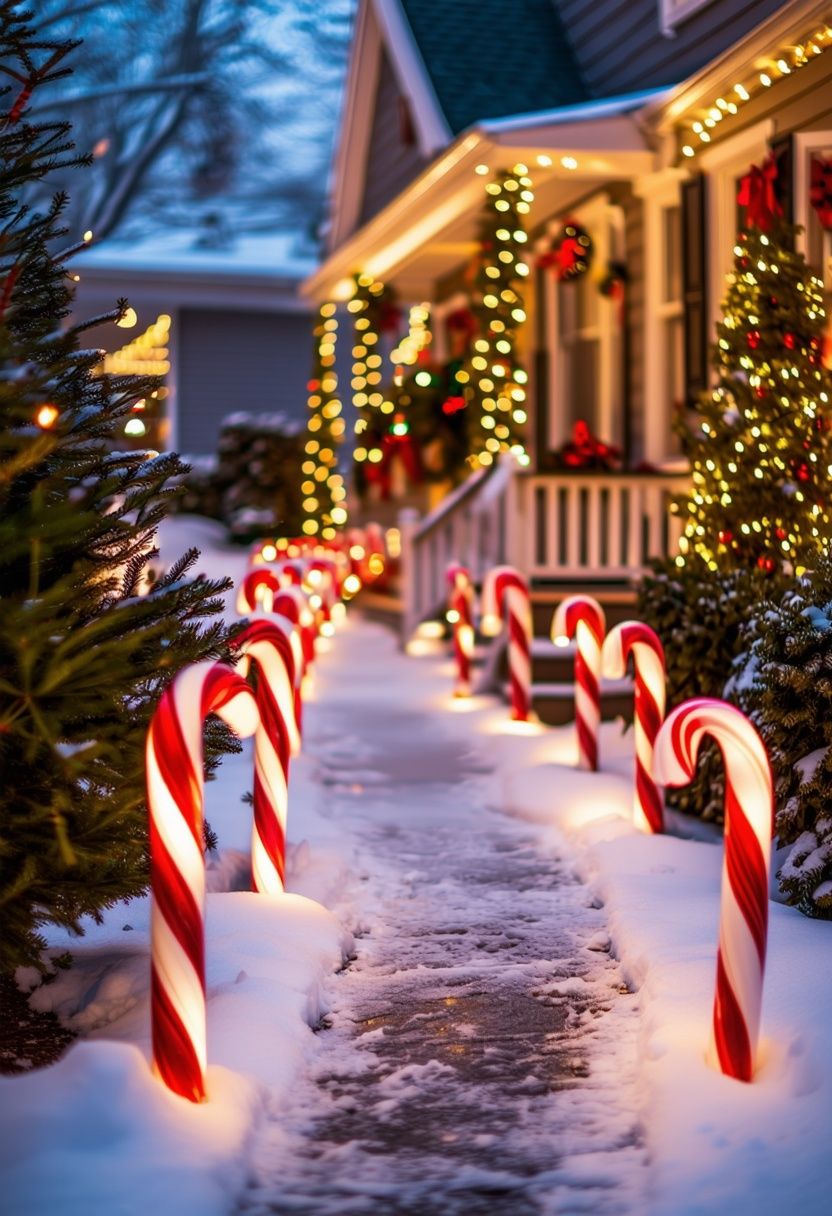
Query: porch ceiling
column 431, row 227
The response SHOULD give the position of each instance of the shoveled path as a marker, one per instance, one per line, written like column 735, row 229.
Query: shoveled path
column 480, row 1052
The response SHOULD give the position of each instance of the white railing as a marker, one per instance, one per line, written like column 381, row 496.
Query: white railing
column 562, row 527
column 598, row 526
column 470, row 526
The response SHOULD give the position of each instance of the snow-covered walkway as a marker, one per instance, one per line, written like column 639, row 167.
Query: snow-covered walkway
column 480, row 1054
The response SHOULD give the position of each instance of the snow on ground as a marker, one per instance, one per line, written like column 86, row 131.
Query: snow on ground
column 654, row 1129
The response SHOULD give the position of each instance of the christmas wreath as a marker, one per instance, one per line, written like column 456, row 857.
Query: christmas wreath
column 571, row 254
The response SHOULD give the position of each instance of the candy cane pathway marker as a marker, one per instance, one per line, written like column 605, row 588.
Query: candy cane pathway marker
column 460, row 614
column 506, row 593
column 582, row 618
column 177, row 863
column 749, row 823
column 637, row 639
column 257, row 589
column 267, row 645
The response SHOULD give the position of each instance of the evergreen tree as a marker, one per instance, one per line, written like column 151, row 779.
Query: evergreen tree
column 88, row 638
column 761, row 453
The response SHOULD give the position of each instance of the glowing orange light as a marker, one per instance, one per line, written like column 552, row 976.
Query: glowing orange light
column 47, row 416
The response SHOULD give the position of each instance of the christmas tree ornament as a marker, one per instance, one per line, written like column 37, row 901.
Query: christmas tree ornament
column 581, row 617
column 743, row 924
column 505, row 598
column 266, row 646
column 461, row 618
column 174, row 767
column 639, row 640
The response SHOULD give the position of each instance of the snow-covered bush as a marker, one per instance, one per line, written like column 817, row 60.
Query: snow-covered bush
column 784, row 682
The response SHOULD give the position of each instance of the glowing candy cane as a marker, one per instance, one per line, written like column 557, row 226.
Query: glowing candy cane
column 506, row 592
column 749, row 815
column 582, row 618
column 638, row 639
column 267, row 645
column 460, row 614
column 291, row 572
column 292, row 603
column 177, row 865
column 257, row 590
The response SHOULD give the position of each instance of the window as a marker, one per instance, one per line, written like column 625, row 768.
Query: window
column 583, row 334
column 674, row 12
column 816, row 241
column 671, row 319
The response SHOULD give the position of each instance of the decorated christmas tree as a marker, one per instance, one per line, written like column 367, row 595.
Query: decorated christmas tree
column 323, row 486
column 760, row 454
column 88, row 636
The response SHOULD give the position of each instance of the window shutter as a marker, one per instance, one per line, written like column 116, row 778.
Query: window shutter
column 694, row 284
column 541, row 363
column 782, row 150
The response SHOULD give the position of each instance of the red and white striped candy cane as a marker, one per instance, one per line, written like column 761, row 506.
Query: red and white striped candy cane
column 749, row 823
column 257, row 590
column 461, row 612
column 265, row 643
column 291, row 572
column 292, row 603
column 177, row 864
column 638, row 639
column 506, row 593
column 294, row 645
column 582, row 618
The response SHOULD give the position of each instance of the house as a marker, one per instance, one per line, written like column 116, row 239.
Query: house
column 634, row 122
column 220, row 319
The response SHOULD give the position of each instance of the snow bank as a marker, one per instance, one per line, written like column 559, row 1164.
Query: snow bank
column 716, row 1145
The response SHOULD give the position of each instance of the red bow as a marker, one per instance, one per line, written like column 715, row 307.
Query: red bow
column 381, row 474
column 759, row 197
column 820, row 190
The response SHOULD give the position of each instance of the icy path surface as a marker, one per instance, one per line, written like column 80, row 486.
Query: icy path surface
column 480, row 1052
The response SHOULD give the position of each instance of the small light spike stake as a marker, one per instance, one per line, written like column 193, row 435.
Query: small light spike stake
column 177, row 863
column 461, row 618
column 257, row 590
column 749, row 824
column 639, row 640
column 582, row 618
column 266, row 645
column 505, row 595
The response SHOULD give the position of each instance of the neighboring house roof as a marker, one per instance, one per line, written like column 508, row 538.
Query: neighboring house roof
column 490, row 58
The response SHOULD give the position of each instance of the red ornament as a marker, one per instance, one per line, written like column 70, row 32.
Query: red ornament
column 765, row 563
column 801, row 471
column 451, row 405
column 788, row 341
column 725, row 537
column 780, row 533
column 753, row 338
column 313, row 385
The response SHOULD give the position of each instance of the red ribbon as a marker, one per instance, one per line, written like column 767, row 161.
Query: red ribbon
column 381, row 474
column 820, row 190
column 758, row 195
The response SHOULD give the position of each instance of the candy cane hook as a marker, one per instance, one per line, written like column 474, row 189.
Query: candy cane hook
column 257, row 590
column 460, row 614
column 506, row 593
column 177, row 864
column 749, row 822
column 266, row 644
column 582, row 618
column 637, row 639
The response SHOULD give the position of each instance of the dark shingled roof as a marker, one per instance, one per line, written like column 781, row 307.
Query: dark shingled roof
column 492, row 58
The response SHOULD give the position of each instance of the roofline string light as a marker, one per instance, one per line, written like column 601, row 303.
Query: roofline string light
column 324, row 493
column 782, row 63
column 492, row 379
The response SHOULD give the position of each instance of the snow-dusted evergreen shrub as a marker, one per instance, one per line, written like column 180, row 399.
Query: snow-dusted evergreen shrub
column 784, row 683
column 699, row 616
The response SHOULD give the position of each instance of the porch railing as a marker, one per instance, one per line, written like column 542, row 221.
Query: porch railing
column 558, row 527
column 595, row 526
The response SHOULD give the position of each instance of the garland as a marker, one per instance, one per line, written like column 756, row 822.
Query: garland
column 322, row 485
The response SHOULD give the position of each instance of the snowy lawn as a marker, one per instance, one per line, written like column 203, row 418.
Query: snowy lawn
column 98, row 1133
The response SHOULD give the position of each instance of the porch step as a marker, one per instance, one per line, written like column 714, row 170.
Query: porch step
column 554, row 703
column 618, row 602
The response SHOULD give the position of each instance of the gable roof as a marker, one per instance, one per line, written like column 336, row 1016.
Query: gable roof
column 490, row 58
